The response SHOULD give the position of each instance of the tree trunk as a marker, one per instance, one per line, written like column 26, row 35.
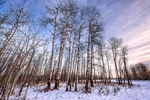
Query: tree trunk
column 61, row 52
column 91, row 76
column 88, row 60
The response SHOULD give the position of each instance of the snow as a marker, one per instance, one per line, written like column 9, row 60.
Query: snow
column 139, row 91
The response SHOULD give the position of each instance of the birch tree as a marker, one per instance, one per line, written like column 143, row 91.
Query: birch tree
column 94, row 25
column 51, row 17
column 124, row 53
column 66, row 13
column 115, row 44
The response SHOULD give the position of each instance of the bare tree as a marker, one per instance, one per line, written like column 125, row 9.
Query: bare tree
column 18, row 17
column 142, row 71
column 53, row 12
column 66, row 13
column 94, row 28
column 124, row 53
column 114, row 45
column 101, row 52
column 108, row 59
column 134, row 73
column 79, row 34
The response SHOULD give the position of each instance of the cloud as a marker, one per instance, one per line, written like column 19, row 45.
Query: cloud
column 131, row 21
column 127, row 19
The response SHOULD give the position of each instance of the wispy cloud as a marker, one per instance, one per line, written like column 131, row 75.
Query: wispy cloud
column 131, row 21
column 128, row 19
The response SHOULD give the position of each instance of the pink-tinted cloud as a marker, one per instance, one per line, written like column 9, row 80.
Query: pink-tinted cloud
column 131, row 21
column 128, row 19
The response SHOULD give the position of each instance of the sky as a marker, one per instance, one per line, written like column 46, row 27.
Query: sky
column 127, row 19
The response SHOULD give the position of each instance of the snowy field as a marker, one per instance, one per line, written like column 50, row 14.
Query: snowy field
column 140, row 91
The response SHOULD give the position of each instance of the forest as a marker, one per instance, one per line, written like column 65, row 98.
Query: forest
column 65, row 44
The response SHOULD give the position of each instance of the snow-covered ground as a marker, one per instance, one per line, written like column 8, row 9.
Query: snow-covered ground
column 140, row 91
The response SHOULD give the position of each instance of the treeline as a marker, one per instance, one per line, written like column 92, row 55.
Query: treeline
column 66, row 44
column 140, row 71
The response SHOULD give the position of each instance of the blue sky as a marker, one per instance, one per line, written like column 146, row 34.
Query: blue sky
column 128, row 19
